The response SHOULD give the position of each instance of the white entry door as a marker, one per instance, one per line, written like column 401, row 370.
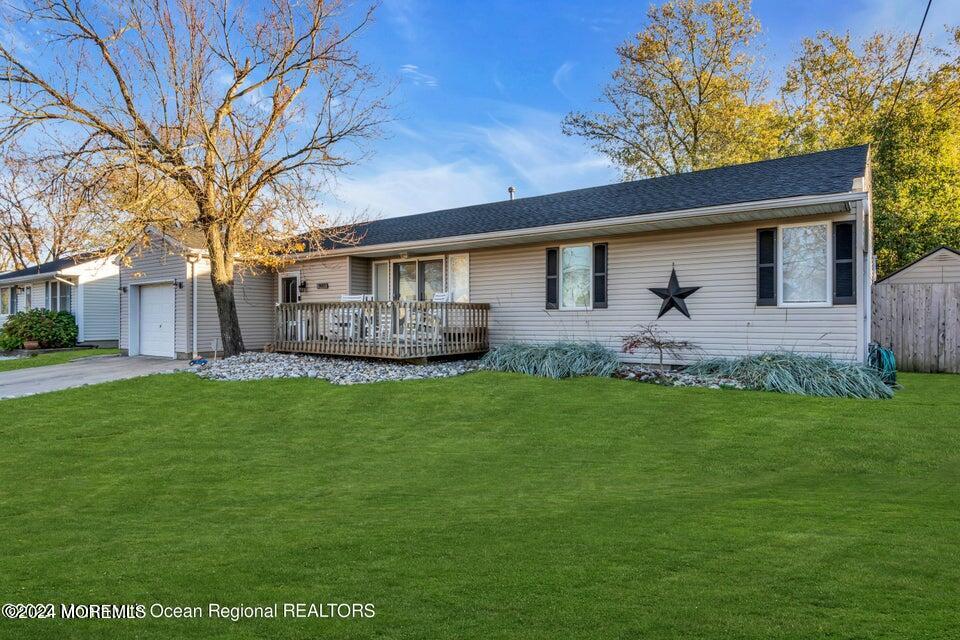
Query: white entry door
column 156, row 320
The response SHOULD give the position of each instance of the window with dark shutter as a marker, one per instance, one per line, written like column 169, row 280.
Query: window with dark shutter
column 844, row 265
column 600, row 276
column 553, row 278
column 767, row 267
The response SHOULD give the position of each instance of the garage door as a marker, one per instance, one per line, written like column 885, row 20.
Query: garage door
column 156, row 320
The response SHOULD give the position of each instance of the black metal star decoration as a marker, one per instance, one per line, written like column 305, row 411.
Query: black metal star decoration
column 673, row 295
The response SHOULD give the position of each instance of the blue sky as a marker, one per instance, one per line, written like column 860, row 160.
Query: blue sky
column 483, row 87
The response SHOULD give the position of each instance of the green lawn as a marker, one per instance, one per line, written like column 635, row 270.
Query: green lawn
column 487, row 506
column 57, row 357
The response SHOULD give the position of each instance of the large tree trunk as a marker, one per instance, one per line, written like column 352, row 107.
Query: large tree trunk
column 221, row 276
column 227, row 313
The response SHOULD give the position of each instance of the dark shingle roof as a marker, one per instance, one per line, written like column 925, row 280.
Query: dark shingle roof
column 811, row 174
column 49, row 267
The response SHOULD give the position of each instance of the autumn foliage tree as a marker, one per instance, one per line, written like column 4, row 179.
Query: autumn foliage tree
column 839, row 92
column 210, row 115
column 686, row 95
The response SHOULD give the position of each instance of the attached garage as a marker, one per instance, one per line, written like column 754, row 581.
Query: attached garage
column 167, row 307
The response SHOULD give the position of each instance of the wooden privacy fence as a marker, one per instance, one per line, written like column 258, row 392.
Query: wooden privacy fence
column 401, row 330
column 921, row 323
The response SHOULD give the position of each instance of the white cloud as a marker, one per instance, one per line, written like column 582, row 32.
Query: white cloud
column 412, row 73
column 461, row 164
column 401, row 13
column 561, row 75
column 414, row 184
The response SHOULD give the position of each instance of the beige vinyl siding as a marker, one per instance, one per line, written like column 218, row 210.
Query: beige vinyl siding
column 255, row 295
column 361, row 276
column 334, row 271
column 939, row 267
column 725, row 319
column 156, row 263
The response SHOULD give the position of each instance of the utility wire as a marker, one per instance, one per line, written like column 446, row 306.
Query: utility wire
column 906, row 69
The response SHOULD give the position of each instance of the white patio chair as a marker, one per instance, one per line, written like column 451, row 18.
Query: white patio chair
column 351, row 319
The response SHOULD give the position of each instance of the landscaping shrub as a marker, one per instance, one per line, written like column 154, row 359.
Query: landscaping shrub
column 787, row 372
column 52, row 329
column 9, row 342
column 558, row 360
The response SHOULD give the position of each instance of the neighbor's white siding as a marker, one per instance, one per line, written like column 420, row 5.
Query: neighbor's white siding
column 155, row 263
column 725, row 319
column 38, row 297
column 939, row 267
column 97, row 299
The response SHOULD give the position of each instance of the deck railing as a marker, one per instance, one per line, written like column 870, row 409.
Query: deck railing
column 400, row 330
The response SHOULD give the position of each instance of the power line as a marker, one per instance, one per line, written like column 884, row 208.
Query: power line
column 906, row 69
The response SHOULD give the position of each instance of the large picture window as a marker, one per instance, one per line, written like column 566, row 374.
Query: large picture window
column 575, row 277
column 805, row 264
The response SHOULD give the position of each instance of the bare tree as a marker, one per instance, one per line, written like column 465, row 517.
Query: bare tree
column 41, row 218
column 200, row 114
column 650, row 336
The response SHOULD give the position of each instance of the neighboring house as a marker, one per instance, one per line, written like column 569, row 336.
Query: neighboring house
column 940, row 266
column 779, row 251
column 167, row 306
column 85, row 285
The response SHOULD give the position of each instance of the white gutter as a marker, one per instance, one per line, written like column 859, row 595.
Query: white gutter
column 605, row 225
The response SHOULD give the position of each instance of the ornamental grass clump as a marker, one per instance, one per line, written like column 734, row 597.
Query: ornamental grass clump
column 794, row 373
column 558, row 360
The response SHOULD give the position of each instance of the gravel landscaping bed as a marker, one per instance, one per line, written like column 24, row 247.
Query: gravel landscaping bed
column 258, row 366
column 674, row 378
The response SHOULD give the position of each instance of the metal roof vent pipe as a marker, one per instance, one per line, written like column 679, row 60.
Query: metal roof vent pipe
column 511, row 190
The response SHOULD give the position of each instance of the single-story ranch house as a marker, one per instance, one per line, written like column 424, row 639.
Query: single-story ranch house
column 85, row 285
column 737, row 260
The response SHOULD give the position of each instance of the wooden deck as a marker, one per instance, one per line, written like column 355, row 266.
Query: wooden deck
column 397, row 330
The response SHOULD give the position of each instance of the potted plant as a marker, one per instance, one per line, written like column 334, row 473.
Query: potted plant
column 31, row 344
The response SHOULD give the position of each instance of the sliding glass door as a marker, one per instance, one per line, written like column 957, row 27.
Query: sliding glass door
column 431, row 279
column 405, row 281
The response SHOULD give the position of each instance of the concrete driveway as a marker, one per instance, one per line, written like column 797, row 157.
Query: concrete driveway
column 26, row 382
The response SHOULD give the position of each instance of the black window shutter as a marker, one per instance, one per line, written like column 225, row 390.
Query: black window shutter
column 844, row 265
column 553, row 278
column 600, row 276
column 767, row 267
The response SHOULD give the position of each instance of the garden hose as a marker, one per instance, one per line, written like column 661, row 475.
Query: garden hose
column 884, row 361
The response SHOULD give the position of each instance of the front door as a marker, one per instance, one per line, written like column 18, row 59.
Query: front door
column 289, row 289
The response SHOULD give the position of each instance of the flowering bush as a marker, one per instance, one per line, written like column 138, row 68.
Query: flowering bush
column 52, row 329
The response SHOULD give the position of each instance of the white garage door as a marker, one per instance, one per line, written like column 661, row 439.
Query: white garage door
column 156, row 320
